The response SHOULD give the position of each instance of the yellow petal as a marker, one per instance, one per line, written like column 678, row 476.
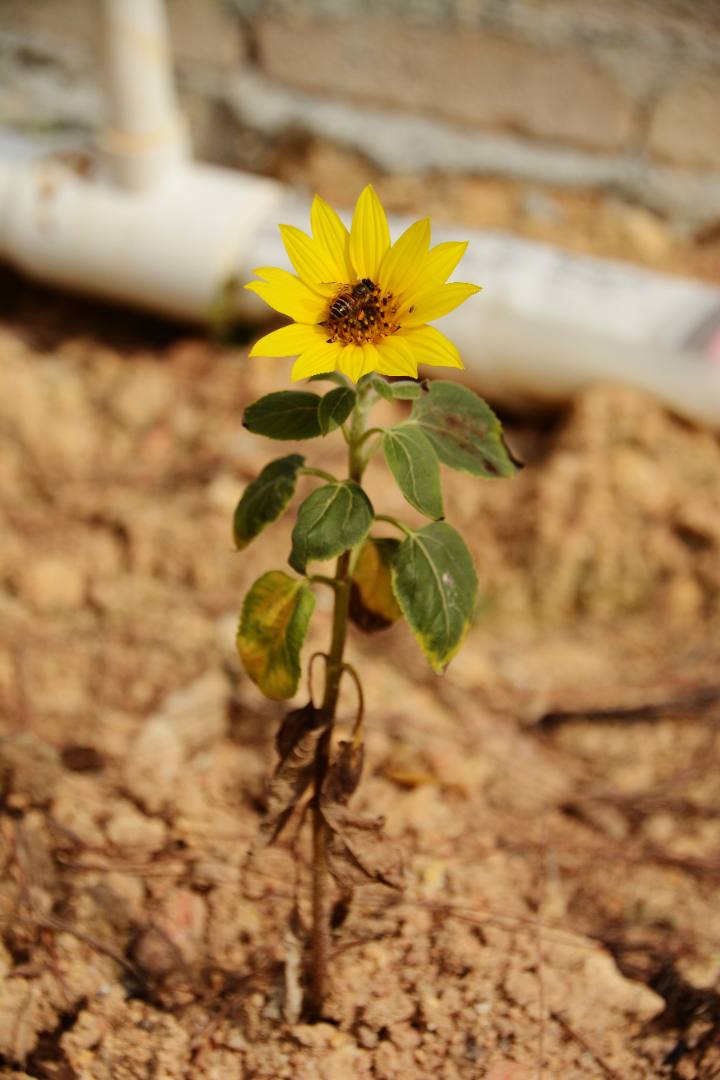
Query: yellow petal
column 288, row 340
column 369, row 235
column 318, row 360
column 396, row 358
column 331, row 234
column 429, row 346
column 401, row 262
column 288, row 295
column 351, row 361
column 371, row 358
column 433, row 303
column 309, row 258
column 438, row 265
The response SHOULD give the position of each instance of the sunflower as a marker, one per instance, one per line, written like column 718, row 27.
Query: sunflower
column 360, row 303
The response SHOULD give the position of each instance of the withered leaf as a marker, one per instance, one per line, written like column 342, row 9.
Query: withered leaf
column 359, row 851
column 343, row 776
column 294, row 726
column 296, row 743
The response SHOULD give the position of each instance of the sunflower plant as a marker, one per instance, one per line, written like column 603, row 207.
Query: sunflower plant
column 360, row 307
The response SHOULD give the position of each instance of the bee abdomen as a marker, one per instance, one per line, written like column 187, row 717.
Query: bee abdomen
column 340, row 308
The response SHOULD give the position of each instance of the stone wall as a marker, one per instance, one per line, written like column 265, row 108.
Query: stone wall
column 617, row 93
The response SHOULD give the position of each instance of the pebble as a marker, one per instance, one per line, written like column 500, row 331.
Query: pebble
column 153, row 764
column 198, row 712
column 135, row 832
column 52, row 584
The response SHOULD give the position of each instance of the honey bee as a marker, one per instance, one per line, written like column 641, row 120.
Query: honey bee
column 350, row 301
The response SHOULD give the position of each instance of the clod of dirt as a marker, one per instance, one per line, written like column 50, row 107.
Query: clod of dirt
column 127, row 1041
column 52, row 584
column 189, row 719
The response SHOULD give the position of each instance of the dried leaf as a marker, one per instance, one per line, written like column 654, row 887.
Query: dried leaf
column 297, row 742
column 359, row 851
column 343, row 776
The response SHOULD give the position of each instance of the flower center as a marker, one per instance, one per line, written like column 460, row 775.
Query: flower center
column 361, row 313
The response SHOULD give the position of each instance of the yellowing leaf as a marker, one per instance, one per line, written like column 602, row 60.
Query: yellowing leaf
column 273, row 626
column 372, row 601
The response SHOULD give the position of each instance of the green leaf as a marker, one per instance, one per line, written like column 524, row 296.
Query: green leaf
column 265, row 498
column 464, row 431
column 273, row 626
column 335, row 408
column 400, row 389
column 287, row 414
column 329, row 376
column 406, row 389
column 435, row 583
column 413, row 462
column 331, row 520
column 379, row 385
column 372, row 601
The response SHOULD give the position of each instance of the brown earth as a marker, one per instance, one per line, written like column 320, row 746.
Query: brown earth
column 555, row 795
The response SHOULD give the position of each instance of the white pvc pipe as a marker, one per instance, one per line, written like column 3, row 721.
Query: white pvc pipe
column 170, row 248
column 145, row 135
column 143, row 225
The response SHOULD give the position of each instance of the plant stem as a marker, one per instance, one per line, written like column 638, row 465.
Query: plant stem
column 333, row 673
column 320, row 942
column 310, row 470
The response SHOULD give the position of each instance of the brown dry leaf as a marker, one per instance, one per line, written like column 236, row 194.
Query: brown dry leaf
column 344, row 774
column 359, row 851
column 296, row 742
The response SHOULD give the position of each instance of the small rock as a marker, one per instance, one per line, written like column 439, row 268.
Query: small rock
column 25, row 1012
column 154, row 953
column 198, row 712
column 129, row 829
column 153, row 763
column 183, row 919
column 75, row 809
column 34, row 769
column 367, row 1037
column 223, row 493
column 176, row 934
column 52, row 584
column 121, row 896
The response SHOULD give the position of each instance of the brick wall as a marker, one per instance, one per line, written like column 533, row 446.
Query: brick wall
column 621, row 93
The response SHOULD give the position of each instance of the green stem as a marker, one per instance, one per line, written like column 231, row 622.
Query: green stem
column 369, row 433
column 321, row 579
column 396, row 522
column 310, row 470
column 320, row 942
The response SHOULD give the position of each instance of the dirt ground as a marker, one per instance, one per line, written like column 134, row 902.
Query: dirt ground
column 555, row 796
